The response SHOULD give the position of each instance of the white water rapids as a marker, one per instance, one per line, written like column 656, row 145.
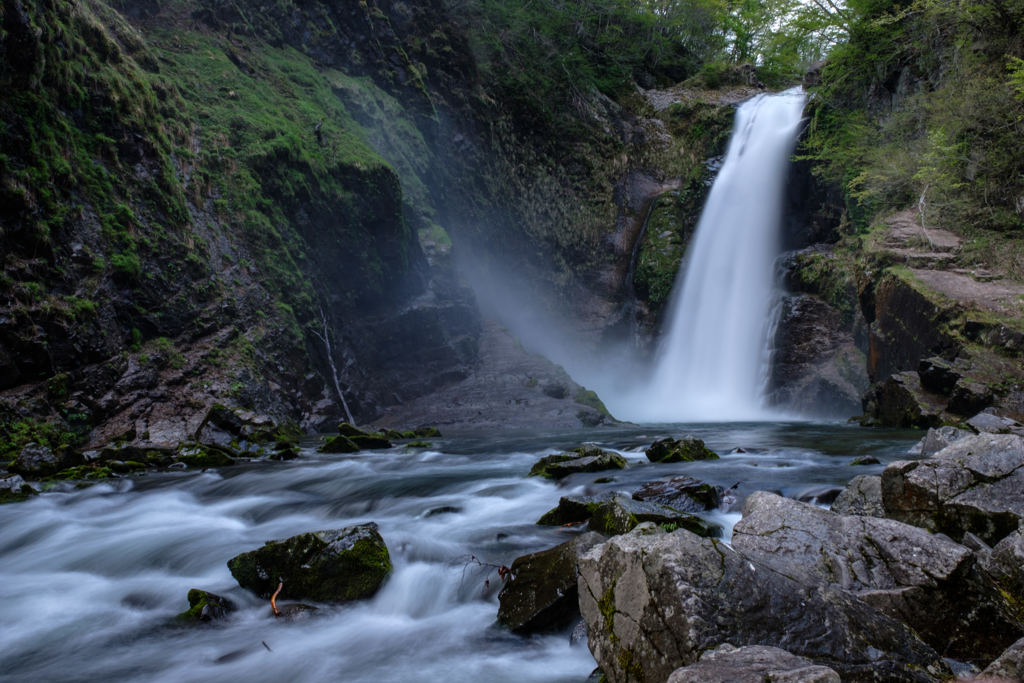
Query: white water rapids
column 711, row 364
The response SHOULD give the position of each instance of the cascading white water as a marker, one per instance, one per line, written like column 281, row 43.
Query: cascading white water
column 711, row 364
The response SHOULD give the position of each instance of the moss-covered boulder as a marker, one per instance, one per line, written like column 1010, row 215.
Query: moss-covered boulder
column 540, row 594
column 582, row 459
column 36, row 461
column 339, row 444
column 338, row 565
column 286, row 454
column 621, row 515
column 427, row 433
column 13, row 489
column 573, row 509
column 419, row 444
column 204, row 456
column 204, row 606
column 687, row 449
column 682, row 493
column 392, row 434
column 371, row 442
column 346, row 429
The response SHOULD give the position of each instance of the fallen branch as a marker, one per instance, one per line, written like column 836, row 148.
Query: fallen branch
column 273, row 601
column 504, row 572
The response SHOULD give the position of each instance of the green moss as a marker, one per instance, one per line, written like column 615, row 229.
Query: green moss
column 339, row 444
column 204, row 606
column 591, row 400
column 19, row 496
column 419, row 444
column 88, row 472
column 205, row 457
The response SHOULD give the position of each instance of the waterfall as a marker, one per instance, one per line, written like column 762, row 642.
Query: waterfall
column 711, row 365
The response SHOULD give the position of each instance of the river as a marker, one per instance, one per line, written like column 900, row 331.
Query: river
column 91, row 579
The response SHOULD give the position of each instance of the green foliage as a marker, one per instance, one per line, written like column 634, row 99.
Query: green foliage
column 17, row 432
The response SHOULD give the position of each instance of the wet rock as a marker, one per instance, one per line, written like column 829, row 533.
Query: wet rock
column 975, row 484
column 862, row 496
column 621, row 515
column 753, row 664
column 204, row 456
column 1009, row 666
column 339, row 444
column 818, row 494
column 392, row 434
column 993, row 424
column 938, row 375
column 205, row 606
column 926, row 581
column 579, row 633
column 427, row 433
column 901, row 401
column 582, row 459
column 573, row 509
column 654, row 602
column 967, row 398
column 346, row 429
column 35, row 461
column 370, row 442
column 443, row 510
column 682, row 493
column 865, row 460
column 286, row 454
column 225, row 426
column 541, row 593
column 1005, row 563
column 338, row 565
column 937, row 439
column 419, row 444
column 13, row 489
column 295, row 611
column 687, row 449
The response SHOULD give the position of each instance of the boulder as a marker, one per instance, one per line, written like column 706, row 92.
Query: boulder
column 682, row 493
column 541, row 592
column 427, row 433
column 370, row 442
column 655, row 601
column 13, row 489
column 621, row 515
column 338, row 565
column 968, row 398
column 1009, row 666
column 988, row 423
column 975, row 484
column 573, row 509
column 204, row 606
column 582, row 459
column 224, row 426
column 865, row 460
column 36, row 461
column 1005, row 563
column 937, row 439
column 346, row 429
column 752, row 664
column 339, row 444
column 926, row 581
column 862, row 496
column 901, row 401
column 204, row 456
column 938, row 375
column 687, row 449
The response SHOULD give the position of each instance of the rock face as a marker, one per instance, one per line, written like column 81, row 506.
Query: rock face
column 582, row 459
column 901, row 401
column 682, row 493
column 862, row 496
column 752, row 664
column 339, row 565
column 928, row 582
column 654, row 602
column 572, row 509
column 937, row 439
column 204, row 606
column 541, row 594
column 687, row 449
column 621, row 515
column 37, row 461
column 976, row 484
column 1009, row 666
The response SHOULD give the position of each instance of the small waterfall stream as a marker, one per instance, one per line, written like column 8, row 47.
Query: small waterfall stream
column 711, row 366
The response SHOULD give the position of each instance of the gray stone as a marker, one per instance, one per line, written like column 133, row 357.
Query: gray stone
column 654, row 602
column 929, row 583
column 573, row 509
column 620, row 515
column 1009, row 666
column 975, row 484
column 752, row 664
column 937, row 439
column 862, row 496
column 37, row 461
column 993, row 424
column 967, row 398
column 541, row 594
column 687, row 449
column 682, row 493
column 582, row 459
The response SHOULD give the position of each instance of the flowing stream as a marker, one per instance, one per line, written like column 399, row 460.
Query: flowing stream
column 91, row 579
column 711, row 362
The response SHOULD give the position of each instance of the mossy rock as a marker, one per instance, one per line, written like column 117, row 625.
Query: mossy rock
column 582, row 459
column 409, row 435
column 346, row 429
column 370, row 442
column 681, row 493
column 286, row 454
column 13, row 489
column 339, row 444
column 205, row 457
column 621, row 515
column 588, row 398
column 285, row 445
column 427, row 433
column 419, row 444
column 89, row 472
column 687, row 449
column 392, row 434
column 573, row 509
column 204, row 606
column 337, row 565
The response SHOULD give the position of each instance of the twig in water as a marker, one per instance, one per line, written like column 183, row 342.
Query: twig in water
column 266, row 646
column 504, row 572
column 273, row 601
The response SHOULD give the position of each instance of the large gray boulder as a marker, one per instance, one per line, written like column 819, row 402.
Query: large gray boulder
column 621, row 515
column 752, row 664
column 928, row 582
column 975, row 484
column 573, row 509
column 862, row 496
column 655, row 601
column 579, row 460
column 338, row 565
column 937, row 439
column 36, row 461
column 682, row 493
column 541, row 593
